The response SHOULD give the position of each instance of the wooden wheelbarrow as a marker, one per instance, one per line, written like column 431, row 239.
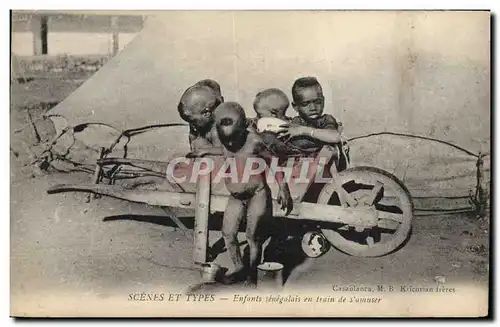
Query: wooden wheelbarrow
column 362, row 211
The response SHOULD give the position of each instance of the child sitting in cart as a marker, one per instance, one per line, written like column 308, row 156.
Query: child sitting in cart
column 270, row 105
column 271, row 102
column 284, row 247
column 305, row 134
column 311, row 130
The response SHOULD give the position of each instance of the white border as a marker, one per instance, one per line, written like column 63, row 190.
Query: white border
column 256, row 4
column 184, row 4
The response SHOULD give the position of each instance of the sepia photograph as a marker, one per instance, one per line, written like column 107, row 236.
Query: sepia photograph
column 250, row 163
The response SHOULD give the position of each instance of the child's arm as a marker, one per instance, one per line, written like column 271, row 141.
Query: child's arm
column 192, row 139
column 284, row 196
column 198, row 142
column 328, row 134
column 200, row 146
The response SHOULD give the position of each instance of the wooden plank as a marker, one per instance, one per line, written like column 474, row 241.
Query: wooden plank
column 201, row 219
column 151, row 197
column 327, row 213
column 218, row 203
column 310, row 211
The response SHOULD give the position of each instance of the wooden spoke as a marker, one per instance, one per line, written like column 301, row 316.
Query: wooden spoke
column 390, row 216
column 388, row 224
column 374, row 193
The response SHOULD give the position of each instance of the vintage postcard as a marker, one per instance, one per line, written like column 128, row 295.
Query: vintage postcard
column 250, row 163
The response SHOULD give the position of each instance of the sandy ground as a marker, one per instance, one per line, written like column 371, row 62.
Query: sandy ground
column 61, row 244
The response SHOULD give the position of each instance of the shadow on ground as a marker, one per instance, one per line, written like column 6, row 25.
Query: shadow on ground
column 283, row 247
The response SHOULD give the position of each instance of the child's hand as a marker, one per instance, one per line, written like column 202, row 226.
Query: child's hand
column 285, row 199
column 270, row 124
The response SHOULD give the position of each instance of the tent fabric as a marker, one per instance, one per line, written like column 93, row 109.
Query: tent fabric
column 419, row 73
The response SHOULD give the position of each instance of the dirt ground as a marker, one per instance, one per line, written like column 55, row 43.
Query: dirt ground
column 64, row 243
column 61, row 243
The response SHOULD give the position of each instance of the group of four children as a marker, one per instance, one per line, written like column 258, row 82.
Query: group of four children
column 215, row 123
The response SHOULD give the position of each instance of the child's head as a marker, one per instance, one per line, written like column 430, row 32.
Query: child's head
column 230, row 121
column 197, row 105
column 213, row 85
column 308, row 98
column 271, row 103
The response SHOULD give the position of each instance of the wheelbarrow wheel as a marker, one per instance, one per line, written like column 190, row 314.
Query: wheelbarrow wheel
column 374, row 189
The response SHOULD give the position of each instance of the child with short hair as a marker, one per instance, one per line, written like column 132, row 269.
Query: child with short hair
column 196, row 107
column 320, row 129
column 213, row 85
column 271, row 102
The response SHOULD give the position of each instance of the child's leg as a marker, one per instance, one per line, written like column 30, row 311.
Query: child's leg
column 231, row 222
column 259, row 212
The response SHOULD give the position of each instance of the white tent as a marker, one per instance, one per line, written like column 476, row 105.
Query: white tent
column 419, row 73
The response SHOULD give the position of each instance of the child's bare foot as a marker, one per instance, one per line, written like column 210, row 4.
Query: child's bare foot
column 234, row 277
column 249, row 283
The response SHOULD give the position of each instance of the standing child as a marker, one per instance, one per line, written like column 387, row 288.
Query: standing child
column 248, row 198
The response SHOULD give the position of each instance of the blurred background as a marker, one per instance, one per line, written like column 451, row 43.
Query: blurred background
column 67, row 42
column 52, row 54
